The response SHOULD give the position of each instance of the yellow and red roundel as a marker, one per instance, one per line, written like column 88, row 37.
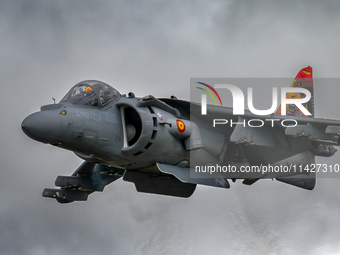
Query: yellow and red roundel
column 180, row 126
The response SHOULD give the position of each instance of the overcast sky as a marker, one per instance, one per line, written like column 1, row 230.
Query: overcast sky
column 155, row 47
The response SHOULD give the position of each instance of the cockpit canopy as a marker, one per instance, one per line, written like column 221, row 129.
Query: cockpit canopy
column 92, row 93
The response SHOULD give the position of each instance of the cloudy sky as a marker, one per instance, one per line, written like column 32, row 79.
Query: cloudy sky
column 155, row 47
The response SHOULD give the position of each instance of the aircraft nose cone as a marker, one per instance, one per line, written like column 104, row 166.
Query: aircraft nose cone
column 42, row 126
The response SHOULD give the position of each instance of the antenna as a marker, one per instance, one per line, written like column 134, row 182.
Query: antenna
column 53, row 99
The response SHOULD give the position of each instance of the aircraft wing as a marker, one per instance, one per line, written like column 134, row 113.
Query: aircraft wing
column 187, row 109
column 316, row 134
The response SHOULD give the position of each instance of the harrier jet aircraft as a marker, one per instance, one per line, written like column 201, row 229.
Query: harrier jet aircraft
column 157, row 142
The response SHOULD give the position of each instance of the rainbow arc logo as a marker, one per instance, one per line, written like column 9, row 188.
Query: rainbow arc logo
column 209, row 93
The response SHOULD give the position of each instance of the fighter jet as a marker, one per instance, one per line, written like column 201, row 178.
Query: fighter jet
column 159, row 144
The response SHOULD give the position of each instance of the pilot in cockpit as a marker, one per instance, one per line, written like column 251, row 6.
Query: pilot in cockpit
column 91, row 93
column 91, row 96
